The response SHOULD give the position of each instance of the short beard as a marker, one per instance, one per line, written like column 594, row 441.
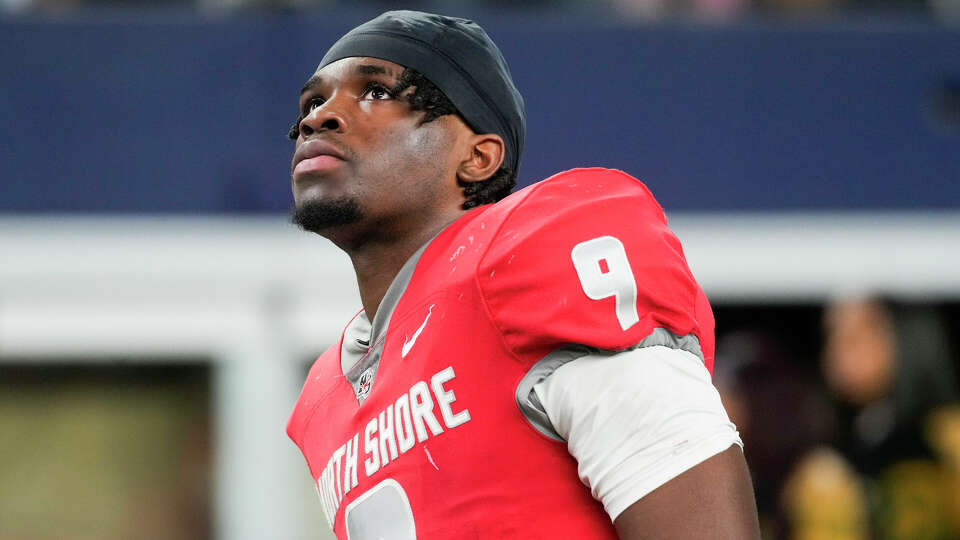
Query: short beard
column 318, row 216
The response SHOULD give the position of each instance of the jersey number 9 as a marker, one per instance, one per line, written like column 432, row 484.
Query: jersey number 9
column 604, row 271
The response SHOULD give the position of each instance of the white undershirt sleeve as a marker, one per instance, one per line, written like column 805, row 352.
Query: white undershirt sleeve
column 636, row 419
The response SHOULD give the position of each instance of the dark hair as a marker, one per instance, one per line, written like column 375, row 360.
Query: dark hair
column 434, row 103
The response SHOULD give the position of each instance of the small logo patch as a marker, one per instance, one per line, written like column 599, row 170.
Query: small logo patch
column 365, row 384
column 408, row 343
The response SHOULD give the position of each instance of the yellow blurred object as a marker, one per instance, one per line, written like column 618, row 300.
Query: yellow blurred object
column 824, row 499
column 103, row 454
column 943, row 433
column 912, row 501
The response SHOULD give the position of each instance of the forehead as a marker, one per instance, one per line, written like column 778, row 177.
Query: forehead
column 352, row 67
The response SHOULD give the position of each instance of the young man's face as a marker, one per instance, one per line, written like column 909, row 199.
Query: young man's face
column 364, row 159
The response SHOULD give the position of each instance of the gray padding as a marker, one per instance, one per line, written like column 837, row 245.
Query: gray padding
column 527, row 399
column 529, row 402
column 666, row 338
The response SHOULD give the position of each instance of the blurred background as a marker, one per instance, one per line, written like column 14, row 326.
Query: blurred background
column 158, row 314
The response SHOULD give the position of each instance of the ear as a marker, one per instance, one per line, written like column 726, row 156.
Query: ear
column 486, row 156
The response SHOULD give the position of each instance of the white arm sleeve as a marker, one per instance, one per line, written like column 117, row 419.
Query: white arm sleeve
column 636, row 419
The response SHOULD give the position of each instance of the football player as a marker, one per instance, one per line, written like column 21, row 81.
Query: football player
column 527, row 366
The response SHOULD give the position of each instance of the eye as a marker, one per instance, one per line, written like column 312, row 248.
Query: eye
column 312, row 104
column 376, row 92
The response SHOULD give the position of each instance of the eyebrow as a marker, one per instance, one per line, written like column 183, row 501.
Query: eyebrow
column 311, row 82
column 362, row 69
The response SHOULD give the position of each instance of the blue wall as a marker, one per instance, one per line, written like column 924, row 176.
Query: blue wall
column 167, row 113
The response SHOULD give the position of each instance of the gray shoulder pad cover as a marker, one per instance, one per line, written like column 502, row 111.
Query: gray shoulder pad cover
column 527, row 399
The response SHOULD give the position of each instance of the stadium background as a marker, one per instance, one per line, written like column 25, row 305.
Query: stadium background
column 157, row 314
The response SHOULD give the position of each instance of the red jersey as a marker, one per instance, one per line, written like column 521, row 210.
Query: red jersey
column 417, row 433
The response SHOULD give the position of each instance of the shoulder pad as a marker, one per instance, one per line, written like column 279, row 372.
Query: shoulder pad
column 586, row 257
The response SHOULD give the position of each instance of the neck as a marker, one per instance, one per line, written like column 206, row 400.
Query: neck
column 377, row 262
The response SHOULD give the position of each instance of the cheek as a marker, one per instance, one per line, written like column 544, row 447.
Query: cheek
column 430, row 138
column 412, row 155
column 434, row 157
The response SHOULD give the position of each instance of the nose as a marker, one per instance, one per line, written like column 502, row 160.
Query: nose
column 327, row 117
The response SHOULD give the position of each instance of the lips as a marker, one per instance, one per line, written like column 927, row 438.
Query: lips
column 316, row 156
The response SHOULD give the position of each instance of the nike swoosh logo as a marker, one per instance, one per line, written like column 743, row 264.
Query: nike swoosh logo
column 408, row 343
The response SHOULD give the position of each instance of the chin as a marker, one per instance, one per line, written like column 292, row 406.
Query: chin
column 318, row 215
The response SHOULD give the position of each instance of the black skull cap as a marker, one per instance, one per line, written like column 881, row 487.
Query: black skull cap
column 458, row 57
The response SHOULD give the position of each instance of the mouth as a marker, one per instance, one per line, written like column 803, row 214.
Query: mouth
column 317, row 164
column 316, row 156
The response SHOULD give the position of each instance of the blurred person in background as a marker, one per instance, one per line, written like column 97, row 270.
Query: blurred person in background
column 784, row 421
column 890, row 369
column 509, row 376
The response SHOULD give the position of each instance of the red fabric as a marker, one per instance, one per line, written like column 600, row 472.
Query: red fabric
column 533, row 290
column 501, row 291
